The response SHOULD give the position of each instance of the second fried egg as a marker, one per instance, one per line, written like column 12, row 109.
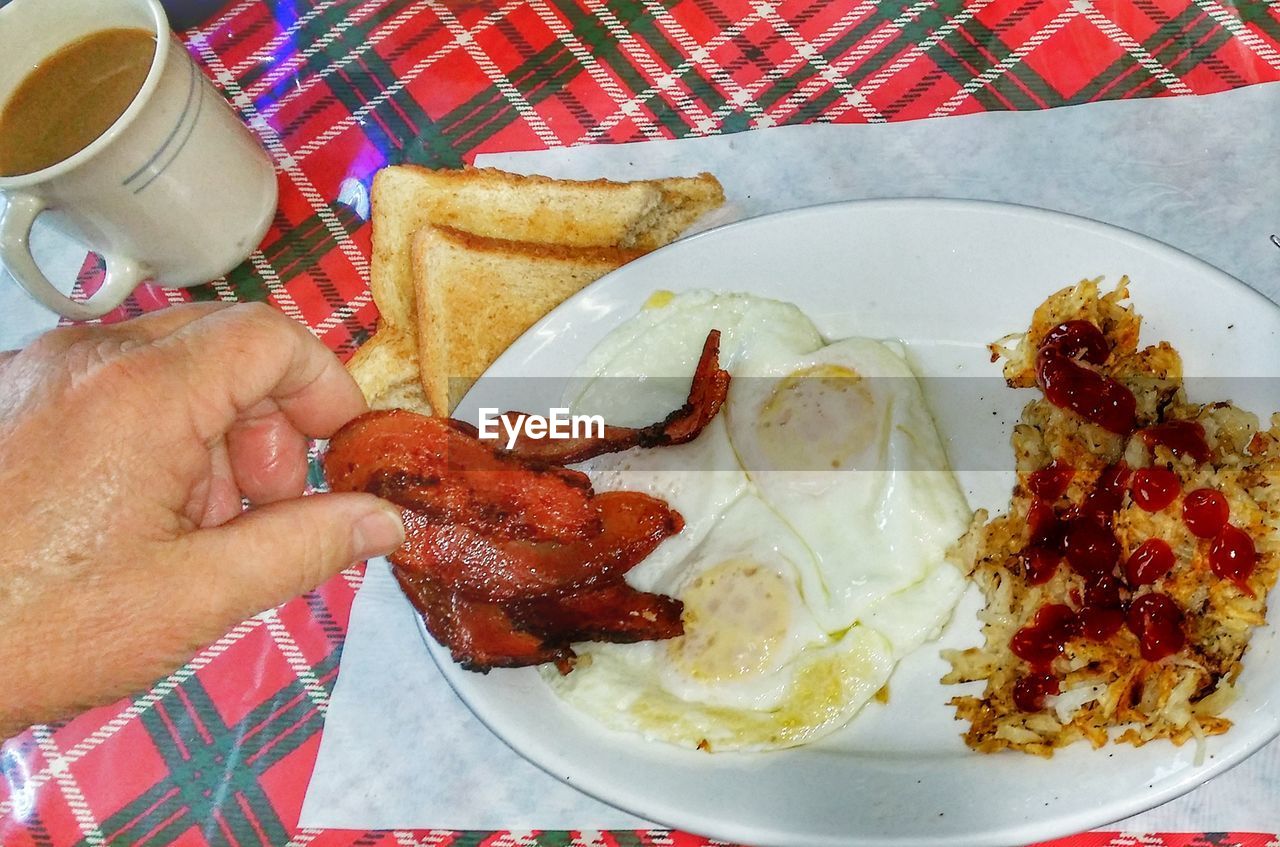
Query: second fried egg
column 818, row 507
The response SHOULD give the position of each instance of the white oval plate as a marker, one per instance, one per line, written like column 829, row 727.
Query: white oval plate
column 946, row 277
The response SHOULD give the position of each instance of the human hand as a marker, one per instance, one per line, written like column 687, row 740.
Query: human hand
column 124, row 454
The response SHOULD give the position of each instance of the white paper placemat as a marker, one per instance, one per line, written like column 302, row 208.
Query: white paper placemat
column 1203, row 174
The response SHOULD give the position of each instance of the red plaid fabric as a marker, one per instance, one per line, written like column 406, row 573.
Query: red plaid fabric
column 220, row 752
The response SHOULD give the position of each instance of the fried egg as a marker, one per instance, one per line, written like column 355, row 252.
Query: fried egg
column 642, row 371
column 839, row 441
column 754, row 669
column 818, row 509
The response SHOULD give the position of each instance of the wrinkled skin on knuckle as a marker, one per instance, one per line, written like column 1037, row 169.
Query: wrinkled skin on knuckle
column 247, row 325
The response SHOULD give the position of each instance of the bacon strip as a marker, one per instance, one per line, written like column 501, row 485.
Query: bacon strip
column 617, row 613
column 484, row 568
column 706, row 395
column 509, row 557
column 479, row 635
column 438, row 469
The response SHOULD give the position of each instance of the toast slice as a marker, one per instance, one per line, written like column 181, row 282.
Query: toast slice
column 386, row 369
column 476, row 295
column 642, row 215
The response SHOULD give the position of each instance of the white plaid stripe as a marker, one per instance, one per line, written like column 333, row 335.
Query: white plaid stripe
column 396, row 87
column 913, row 53
column 353, row 576
column 266, row 53
column 811, row 53
column 61, row 761
column 339, row 315
column 221, row 22
column 602, row 76
column 288, row 648
column 1015, row 58
column 668, row 83
column 173, row 296
column 224, row 290
column 515, row 838
column 666, row 80
column 279, row 293
column 1241, row 31
column 701, row 57
column 373, row 40
column 485, row 62
column 432, row 838
column 1136, row 51
column 71, row 793
column 303, row 837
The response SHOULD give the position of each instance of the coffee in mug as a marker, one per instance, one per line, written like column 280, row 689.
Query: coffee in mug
column 110, row 133
column 72, row 97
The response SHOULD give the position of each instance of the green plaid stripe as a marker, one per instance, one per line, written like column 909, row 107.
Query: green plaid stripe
column 213, row 768
column 1179, row 44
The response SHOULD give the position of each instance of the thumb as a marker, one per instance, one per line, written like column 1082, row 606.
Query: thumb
column 273, row 553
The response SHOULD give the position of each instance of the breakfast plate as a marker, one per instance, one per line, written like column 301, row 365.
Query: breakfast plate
column 944, row 278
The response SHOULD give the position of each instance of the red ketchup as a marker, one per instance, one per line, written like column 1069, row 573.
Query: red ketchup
column 1030, row 691
column 1233, row 557
column 1103, row 612
column 1107, row 495
column 1050, row 482
column 1083, row 534
column 1153, row 559
column 1039, row 643
column 1091, row 547
column 1154, row 488
column 1044, row 639
column 1039, row 564
column 1157, row 622
column 1044, row 549
column 1069, row 385
column 1077, row 339
column 1205, row 512
column 1183, row 438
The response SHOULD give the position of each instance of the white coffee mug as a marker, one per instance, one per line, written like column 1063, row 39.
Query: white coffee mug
column 177, row 190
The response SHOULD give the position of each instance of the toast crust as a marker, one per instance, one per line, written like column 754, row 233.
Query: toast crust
column 558, row 235
column 477, row 295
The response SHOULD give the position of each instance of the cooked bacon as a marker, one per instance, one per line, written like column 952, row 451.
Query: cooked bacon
column 706, row 395
column 485, row 568
column 509, row 557
column 479, row 635
column 617, row 613
column 439, row 469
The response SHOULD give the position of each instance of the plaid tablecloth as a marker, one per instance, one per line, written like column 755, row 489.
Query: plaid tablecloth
column 220, row 752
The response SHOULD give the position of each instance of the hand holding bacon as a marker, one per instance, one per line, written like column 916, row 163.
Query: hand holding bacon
column 511, row 557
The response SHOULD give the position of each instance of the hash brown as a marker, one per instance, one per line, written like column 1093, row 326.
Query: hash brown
column 1108, row 690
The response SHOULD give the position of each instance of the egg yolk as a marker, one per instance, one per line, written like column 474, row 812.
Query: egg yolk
column 659, row 299
column 817, row 418
column 735, row 615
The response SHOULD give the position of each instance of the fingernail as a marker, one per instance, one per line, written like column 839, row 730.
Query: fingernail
column 378, row 532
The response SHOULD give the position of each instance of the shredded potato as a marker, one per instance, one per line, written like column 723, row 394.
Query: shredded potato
column 1108, row 691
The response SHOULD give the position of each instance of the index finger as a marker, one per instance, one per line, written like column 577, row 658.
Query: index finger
column 240, row 356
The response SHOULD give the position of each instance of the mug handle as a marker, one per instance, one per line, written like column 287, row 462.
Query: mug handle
column 123, row 275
